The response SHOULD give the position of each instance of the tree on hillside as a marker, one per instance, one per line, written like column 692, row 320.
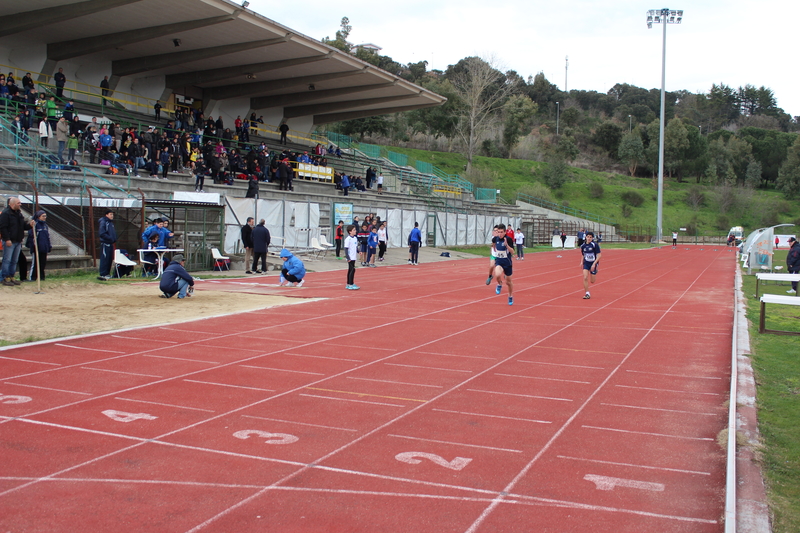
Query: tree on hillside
column 676, row 142
column 607, row 136
column 631, row 150
column 340, row 41
column 789, row 175
column 438, row 121
column 542, row 91
column 482, row 90
column 518, row 111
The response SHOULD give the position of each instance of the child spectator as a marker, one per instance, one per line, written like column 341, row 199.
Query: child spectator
column 372, row 245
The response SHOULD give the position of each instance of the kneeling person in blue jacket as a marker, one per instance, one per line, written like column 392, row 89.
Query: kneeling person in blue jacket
column 175, row 279
column 293, row 270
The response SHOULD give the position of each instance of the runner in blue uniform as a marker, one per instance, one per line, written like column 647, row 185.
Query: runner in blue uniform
column 590, row 256
column 502, row 247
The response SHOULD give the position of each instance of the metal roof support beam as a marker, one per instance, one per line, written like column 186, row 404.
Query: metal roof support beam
column 282, row 100
column 225, row 73
column 28, row 20
column 338, row 117
column 302, row 111
column 98, row 43
column 136, row 65
column 251, row 89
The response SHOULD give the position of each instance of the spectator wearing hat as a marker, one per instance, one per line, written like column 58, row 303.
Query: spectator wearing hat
column 42, row 247
column 793, row 262
column 176, row 280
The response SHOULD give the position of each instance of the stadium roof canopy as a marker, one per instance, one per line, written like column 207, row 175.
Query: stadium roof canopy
column 230, row 57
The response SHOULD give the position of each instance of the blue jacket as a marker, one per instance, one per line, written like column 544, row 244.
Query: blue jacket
column 147, row 233
column 372, row 241
column 108, row 233
column 345, row 183
column 169, row 279
column 293, row 265
column 261, row 239
column 415, row 236
column 42, row 238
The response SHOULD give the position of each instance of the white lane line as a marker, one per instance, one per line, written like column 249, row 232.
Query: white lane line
column 430, row 368
column 494, row 416
column 143, row 339
column 181, row 359
column 456, row 355
column 609, row 483
column 562, row 364
column 668, row 390
column 227, row 385
column 29, row 361
column 647, row 467
column 539, row 377
column 456, row 443
column 48, row 388
column 658, row 409
column 120, row 372
column 137, row 482
column 82, row 348
column 350, row 400
column 671, row 375
column 283, row 370
column 165, row 404
column 647, row 433
column 356, row 348
column 397, row 382
column 520, row 395
column 324, row 357
column 299, row 423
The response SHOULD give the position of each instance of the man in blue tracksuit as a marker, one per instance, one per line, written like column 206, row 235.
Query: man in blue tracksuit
column 175, row 280
column 293, row 270
column 108, row 236
column 414, row 242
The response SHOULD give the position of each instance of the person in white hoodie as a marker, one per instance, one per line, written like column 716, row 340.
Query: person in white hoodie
column 45, row 132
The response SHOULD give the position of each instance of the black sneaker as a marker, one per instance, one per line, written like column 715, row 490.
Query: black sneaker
column 586, row 296
column 248, row 272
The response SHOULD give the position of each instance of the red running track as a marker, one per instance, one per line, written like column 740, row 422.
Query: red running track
column 421, row 403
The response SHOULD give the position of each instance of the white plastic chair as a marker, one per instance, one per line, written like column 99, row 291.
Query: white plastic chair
column 121, row 260
column 220, row 260
column 317, row 248
column 324, row 241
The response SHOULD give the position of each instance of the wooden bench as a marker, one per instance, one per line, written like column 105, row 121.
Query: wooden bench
column 776, row 299
column 775, row 277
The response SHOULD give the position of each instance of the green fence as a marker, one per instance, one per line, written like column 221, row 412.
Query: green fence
column 488, row 196
column 400, row 160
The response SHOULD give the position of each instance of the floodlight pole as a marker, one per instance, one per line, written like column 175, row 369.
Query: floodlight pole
column 558, row 109
column 630, row 124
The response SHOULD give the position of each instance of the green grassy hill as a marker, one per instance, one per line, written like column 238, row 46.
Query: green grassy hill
column 714, row 211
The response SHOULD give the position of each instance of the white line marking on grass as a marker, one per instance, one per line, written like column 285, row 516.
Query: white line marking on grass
column 456, row 355
column 227, row 385
column 669, row 390
column 48, row 388
column 397, row 382
column 647, row 433
column 282, row 370
column 520, row 395
column 82, row 348
column 182, row 359
column 325, row 357
column 659, row 409
column 494, row 416
column 671, row 375
column 120, row 372
column 28, row 361
column 647, row 467
column 143, row 339
column 430, row 368
column 165, row 405
column 538, row 377
column 456, row 443
column 350, row 400
column 562, row 364
column 299, row 423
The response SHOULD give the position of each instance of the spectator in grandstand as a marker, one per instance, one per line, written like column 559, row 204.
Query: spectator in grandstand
column 108, row 236
column 105, row 86
column 380, row 183
column 227, row 138
column 176, row 280
column 51, row 111
column 199, row 174
column 12, row 229
column 285, row 175
column 219, row 124
column 157, row 109
column 261, row 240
column 19, row 132
column 75, row 126
column 284, row 129
column 137, row 152
column 69, row 111
column 42, row 247
column 293, row 270
column 252, row 187
column 27, row 82
column 247, row 242
column 345, row 184
column 359, row 184
column 72, row 146
column 60, row 80
column 45, row 132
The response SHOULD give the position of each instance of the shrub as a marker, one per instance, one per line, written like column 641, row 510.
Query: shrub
column 537, row 190
column 555, row 174
column 695, row 198
column 723, row 222
column 627, row 210
column 596, row 190
column 632, row 198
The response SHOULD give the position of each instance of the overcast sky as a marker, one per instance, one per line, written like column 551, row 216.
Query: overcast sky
column 734, row 42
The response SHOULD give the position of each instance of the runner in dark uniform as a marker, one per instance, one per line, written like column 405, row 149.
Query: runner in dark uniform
column 502, row 247
column 590, row 256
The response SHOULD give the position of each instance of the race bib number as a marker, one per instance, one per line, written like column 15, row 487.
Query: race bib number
column 588, row 257
column 501, row 254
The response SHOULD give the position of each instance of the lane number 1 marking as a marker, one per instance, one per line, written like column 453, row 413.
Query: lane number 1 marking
column 11, row 398
column 272, row 438
column 122, row 416
column 412, row 458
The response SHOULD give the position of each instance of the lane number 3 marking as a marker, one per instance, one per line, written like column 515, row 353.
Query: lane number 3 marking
column 412, row 458
column 272, row 438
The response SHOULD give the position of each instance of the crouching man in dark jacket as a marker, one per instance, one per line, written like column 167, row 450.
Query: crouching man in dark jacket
column 175, row 280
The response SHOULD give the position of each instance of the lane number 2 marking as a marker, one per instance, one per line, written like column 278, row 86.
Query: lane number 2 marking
column 122, row 416
column 11, row 398
column 272, row 438
column 412, row 458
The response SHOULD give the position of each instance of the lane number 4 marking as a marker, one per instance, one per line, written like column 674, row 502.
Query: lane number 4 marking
column 272, row 438
column 412, row 458
column 122, row 416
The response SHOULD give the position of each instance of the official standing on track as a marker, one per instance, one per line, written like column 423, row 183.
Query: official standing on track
column 108, row 236
column 414, row 242
column 590, row 256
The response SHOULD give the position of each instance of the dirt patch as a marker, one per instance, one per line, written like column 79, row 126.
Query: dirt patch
column 75, row 307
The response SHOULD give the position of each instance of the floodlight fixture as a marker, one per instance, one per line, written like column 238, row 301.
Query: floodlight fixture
column 662, row 16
